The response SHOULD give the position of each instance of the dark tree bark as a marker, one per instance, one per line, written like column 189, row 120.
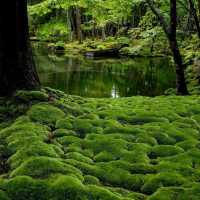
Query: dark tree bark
column 180, row 76
column 170, row 31
column 195, row 16
column 17, row 68
column 78, row 25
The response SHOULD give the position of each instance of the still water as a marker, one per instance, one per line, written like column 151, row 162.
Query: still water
column 118, row 77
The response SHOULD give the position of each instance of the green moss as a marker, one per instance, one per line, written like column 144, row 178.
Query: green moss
column 66, row 140
column 91, row 180
column 41, row 167
column 23, row 188
column 96, row 193
column 188, row 144
column 104, row 156
column 28, row 96
column 95, row 149
column 162, row 180
column 144, row 138
column 146, row 119
column 33, row 149
column 179, row 193
column 45, row 114
column 64, row 124
column 67, row 187
column 79, row 157
column 82, row 127
column 63, row 132
column 163, row 138
column 164, row 150
column 3, row 196
column 143, row 169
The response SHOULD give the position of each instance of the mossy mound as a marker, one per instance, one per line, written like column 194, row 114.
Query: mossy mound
column 45, row 114
column 68, row 147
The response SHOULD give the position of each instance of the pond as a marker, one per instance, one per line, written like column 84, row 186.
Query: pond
column 109, row 77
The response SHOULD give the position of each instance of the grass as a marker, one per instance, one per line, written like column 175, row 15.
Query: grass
column 61, row 147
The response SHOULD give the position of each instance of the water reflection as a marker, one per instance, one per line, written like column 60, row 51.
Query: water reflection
column 106, row 77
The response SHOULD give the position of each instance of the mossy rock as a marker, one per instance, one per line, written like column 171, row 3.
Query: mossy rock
column 162, row 180
column 104, row 156
column 28, row 96
column 97, row 192
column 63, row 132
column 43, row 167
column 164, row 151
column 67, row 187
column 33, row 149
column 45, row 114
column 24, row 187
column 82, row 127
column 91, row 180
column 64, row 124
column 178, row 193
column 79, row 157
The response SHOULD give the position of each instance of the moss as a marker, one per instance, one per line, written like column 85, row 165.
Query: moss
column 64, row 124
column 41, row 167
column 162, row 180
column 126, row 148
column 33, row 149
column 167, row 194
column 3, row 196
column 45, row 114
column 142, row 169
column 67, row 187
column 163, row 138
column 144, row 138
column 66, row 140
column 179, row 193
column 91, row 180
column 28, row 96
column 188, row 144
column 24, row 129
column 63, row 132
column 96, row 192
column 146, row 119
column 104, row 156
column 23, row 188
column 164, row 150
column 79, row 157
column 82, row 127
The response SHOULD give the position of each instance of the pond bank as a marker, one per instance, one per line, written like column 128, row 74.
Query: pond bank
column 108, row 149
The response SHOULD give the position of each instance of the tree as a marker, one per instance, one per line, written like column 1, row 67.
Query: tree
column 195, row 16
column 17, row 68
column 170, row 31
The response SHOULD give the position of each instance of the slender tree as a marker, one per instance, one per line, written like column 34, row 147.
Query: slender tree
column 170, row 31
column 195, row 16
column 17, row 68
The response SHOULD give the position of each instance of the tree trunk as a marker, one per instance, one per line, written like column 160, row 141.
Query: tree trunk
column 17, row 68
column 180, row 75
column 78, row 25
column 103, row 33
column 170, row 31
column 195, row 16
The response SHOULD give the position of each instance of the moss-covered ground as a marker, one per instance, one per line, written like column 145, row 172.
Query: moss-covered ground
column 59, row 147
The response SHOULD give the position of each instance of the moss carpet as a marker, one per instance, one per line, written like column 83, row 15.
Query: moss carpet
column 62, row 147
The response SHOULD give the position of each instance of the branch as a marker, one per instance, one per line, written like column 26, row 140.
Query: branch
column 159, row 15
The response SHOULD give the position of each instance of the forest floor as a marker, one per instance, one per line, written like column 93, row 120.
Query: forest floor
column 56, row 147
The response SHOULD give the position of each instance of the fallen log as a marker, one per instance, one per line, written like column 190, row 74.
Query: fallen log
column 110, row 52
